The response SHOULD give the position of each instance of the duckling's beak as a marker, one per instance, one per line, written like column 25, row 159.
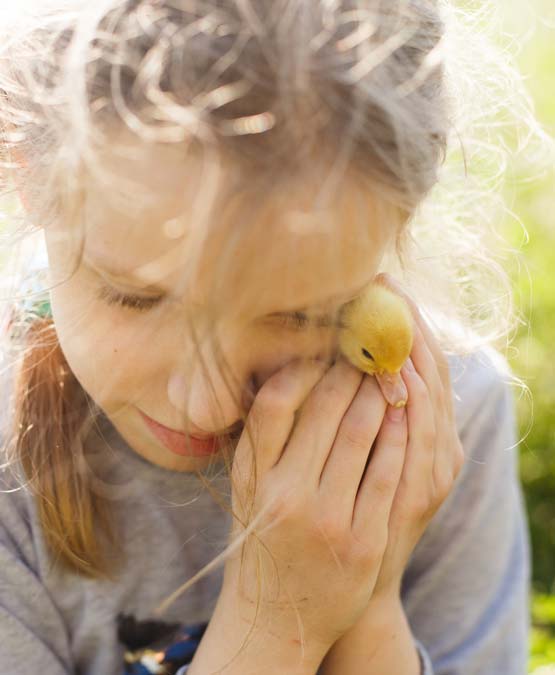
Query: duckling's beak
column 393, row 388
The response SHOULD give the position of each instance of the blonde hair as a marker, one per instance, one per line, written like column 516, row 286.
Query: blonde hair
column 412, row 96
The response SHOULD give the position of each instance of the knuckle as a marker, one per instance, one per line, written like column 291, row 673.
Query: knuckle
column 384, row 484
column 443, row 365
column 396, row 434
column 441, row 404
column 274, row 398
column 329, row 398
column 331, row 527
column 412, row 503
column 280, row 504
column 443, row 485
column 420, row 390
column 421, row 506
column 369, row 389
column 370, row 551
column 279, row 390
column 429, row 435
column 424, row 504
column 355, row 433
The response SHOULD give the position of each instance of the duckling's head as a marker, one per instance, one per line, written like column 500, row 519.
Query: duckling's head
column 376, row 333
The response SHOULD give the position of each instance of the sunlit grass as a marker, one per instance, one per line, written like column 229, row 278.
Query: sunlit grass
column 542, row 638
column 534, row 204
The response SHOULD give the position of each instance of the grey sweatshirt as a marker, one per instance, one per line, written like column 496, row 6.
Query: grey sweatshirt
column 465, row 590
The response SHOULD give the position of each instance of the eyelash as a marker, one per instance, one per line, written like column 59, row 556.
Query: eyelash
column 135, row 302
column 300, row 321
column 296, row 320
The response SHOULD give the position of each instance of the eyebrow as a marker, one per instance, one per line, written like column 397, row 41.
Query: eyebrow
column 124, row 276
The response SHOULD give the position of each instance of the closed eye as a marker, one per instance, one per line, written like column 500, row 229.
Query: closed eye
column 367, row 354
column 134, row 302
column 301, row 321
column 295, row 320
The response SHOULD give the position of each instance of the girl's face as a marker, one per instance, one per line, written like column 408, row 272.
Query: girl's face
column 137, row 358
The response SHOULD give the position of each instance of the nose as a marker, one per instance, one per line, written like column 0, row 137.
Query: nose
column 215, row 397
column 207, row 402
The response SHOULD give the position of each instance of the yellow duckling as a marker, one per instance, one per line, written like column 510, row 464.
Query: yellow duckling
column 376, row 337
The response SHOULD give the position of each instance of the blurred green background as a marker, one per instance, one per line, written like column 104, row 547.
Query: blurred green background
column 534, row 203
column 532, row 22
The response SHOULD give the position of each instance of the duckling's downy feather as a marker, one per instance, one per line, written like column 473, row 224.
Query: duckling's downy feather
column 376, row 332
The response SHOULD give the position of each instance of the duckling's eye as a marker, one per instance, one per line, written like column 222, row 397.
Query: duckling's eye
column 367, row 354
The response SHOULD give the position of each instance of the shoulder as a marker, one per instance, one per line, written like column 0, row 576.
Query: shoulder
column 17, row 527
column 16, row 502
column 482, row 384
column 486, row 489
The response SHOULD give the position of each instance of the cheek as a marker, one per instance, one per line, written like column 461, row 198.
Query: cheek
column 107, row 352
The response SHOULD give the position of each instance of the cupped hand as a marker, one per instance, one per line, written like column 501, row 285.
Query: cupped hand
column 434, row 453
column 323, row 510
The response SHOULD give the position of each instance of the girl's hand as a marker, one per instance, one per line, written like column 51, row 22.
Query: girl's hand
column 323, row 537
column 381, row 640
column 434, row 454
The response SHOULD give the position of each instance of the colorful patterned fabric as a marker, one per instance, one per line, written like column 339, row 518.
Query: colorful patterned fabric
column 173, row 659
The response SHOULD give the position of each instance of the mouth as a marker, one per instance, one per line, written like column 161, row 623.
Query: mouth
column 180, row 443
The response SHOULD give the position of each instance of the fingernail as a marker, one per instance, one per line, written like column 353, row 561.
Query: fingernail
column 409, row 365
column 395, row 414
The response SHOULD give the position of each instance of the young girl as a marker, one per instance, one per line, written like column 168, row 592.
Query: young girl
column 213, row 182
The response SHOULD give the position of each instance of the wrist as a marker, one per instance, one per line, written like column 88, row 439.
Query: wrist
column 231, row 645
column 386, row 606
column 380, row 642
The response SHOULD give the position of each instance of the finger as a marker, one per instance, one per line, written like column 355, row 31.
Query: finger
column 426, row 367
column 272, row 415
column 448, row 455
column 421, row 453
column 381, row 479
column 444, row 464
column 357, row 432
column 318, row 421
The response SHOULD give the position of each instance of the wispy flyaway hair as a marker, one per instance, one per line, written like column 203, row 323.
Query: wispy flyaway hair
column 411, row 96
column 269, row 83
column 388, row 88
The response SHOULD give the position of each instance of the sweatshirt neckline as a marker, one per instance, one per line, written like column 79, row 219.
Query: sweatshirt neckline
column 119, row 463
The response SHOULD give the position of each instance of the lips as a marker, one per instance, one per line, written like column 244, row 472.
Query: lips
column 180, row 443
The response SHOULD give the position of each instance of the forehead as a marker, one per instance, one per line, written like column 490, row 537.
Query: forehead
column 302, row 240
